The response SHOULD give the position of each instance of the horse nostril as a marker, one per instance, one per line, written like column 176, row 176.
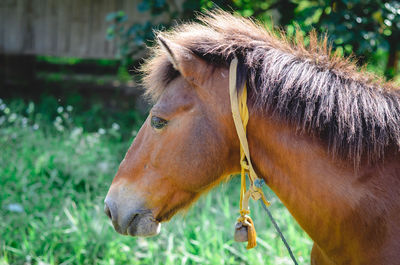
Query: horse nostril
column 110, row 209
column 107, row 211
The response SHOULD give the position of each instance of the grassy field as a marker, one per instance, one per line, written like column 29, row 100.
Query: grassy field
column 56, row 164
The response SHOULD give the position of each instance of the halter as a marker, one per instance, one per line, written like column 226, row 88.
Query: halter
column 244, row 229
column 240, row 114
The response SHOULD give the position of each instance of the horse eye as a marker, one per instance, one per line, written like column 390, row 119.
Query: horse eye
column 157, row 122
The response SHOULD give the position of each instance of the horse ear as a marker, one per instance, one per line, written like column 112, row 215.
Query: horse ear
column 185, row 61
column 172, row 50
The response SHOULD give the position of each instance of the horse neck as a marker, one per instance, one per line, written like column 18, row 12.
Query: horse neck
column 298, row 171
column 327, row 197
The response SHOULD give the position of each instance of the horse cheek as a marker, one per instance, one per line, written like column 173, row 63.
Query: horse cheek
column 201, row 155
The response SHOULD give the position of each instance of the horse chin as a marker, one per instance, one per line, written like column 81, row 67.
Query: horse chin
column 144, row 225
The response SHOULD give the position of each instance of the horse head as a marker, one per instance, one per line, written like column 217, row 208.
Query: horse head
column 184, row 148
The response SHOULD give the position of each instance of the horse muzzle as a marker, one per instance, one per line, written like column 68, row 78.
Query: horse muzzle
column 131, row 220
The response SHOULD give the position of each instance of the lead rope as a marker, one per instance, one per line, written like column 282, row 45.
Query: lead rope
column 280, row 233
column 244, row 228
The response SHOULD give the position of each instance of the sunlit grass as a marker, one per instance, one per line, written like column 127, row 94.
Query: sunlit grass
column 54, row 177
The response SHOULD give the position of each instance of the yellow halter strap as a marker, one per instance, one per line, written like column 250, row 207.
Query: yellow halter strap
column 240, row 114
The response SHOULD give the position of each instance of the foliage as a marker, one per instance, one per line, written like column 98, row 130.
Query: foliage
column 369, row 29
column 134, row 37
column 360, row 27
column 55, row 171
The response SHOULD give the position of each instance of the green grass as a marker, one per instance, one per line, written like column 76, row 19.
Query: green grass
column 55, row 170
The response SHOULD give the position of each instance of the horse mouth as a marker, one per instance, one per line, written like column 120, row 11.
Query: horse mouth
column 143, row 225
column 133, row 221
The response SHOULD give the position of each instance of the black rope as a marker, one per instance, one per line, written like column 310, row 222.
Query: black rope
column 279, row 232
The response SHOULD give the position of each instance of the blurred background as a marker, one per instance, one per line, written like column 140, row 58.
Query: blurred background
column 70, row 106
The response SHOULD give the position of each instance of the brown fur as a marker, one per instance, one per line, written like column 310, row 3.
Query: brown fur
column 351, row 215
column 354, row 111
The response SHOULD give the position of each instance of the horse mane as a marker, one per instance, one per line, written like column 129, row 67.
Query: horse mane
column 308, row 85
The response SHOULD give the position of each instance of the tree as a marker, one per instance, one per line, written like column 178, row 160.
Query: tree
column 362, row 27
column 369, row 29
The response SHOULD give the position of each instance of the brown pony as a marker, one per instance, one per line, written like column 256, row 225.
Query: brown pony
column 324, row 136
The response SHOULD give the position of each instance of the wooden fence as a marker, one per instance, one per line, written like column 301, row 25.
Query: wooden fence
column 75, row 28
